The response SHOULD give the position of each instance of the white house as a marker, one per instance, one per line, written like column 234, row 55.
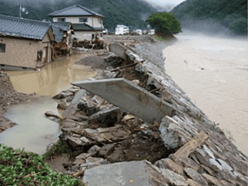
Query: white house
column 86, row 23
column 121, row 30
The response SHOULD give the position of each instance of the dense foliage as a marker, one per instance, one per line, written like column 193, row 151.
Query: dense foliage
column 21, row 168
column 232, row 14
column 164, row 22
column 132, row 13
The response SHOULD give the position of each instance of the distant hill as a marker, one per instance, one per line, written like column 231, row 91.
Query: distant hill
column 213, row 15
column 132, row 13
column 161, row 8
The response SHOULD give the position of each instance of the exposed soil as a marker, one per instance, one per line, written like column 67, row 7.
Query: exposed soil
column 8, row 97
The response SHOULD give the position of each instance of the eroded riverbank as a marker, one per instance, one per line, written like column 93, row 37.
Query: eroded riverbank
column 213, row 71
column 107, row 139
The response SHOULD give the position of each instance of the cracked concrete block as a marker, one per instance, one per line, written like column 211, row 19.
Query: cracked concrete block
column 134, row 173
column 133, row 99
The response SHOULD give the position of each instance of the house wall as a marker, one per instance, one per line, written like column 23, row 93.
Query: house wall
column 46, row 44
column 92, row 21
column 23, row 52
column 19, row 52
column 82, row 35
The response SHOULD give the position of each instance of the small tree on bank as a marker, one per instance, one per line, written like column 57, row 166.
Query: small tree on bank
column 164, row 22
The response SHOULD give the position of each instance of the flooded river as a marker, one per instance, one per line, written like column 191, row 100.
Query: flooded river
column 34, row 131
column 213, row 71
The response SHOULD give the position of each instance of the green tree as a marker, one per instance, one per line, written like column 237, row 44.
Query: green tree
column 164, row 22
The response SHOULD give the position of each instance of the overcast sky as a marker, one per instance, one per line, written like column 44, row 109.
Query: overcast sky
column 164, row 2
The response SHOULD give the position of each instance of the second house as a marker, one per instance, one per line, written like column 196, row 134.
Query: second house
column 86, row 23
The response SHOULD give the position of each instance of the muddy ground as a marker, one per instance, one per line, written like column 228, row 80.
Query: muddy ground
column 8, row 97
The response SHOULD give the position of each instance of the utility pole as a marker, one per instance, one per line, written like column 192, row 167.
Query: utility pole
column 20, row 3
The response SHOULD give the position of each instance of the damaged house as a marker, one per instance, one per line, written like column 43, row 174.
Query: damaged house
column 63, row 32
column 86, row 23
column 24, row 43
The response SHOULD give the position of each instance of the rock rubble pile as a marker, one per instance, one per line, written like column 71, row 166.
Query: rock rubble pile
column 113, row 147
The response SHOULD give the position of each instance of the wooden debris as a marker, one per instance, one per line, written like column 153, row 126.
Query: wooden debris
column 192, row 145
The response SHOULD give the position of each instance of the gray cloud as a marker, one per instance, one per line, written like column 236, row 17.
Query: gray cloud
column 165, row 2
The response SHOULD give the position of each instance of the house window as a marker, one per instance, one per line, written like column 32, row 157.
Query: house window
column 2, row 47
column 82, row 19
column 100, row 21
column 61, row 19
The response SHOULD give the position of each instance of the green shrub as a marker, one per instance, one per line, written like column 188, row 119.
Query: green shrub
column 22, row 168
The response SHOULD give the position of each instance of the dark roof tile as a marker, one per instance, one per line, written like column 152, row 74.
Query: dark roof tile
column 76, row 10
column 23, row 28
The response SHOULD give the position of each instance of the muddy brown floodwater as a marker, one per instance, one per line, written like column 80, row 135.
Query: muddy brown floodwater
column 213, row 71
column 52, row 78
column 34, row 132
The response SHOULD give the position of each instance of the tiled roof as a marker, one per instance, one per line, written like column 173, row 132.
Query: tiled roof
column 76, row 10
column 23, row 28
column 85, row 27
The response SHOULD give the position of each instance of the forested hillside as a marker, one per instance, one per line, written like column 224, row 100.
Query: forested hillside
column 132, row 13
column 210, row 14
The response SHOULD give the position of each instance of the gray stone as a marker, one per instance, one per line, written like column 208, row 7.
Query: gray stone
column 215, row 163
column 113, row 60
column 195, row 176
column 62, row 95
column 108, row 116
column 208, row 151
column 200, row 151
column 74, row 142
column 192, row 182
column 169, row 164
column 94, row 150
column 62, row 105
column 132, row 98
column 241, row 177
column 83, row 156
column 52, row 114
column 134, row 173
column 134, row 57
column 211, row 180
column 173, row 178
column 225, row 166
column 106, row 149
column 94, row 162
column 85, row 141
column 206, row 162
column 187, row 162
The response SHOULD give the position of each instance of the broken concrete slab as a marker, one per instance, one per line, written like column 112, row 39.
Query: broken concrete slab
column 134, row 173
column 133, row 99
column 118, row 49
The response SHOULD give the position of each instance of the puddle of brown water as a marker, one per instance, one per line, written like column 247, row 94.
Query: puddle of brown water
column 214, row 74
column 34, row 131
column 52, row 78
